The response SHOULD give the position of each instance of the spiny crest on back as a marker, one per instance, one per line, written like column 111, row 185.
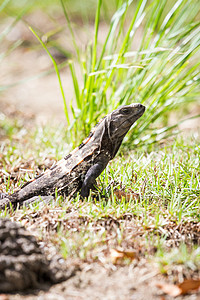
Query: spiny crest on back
column 86, row 140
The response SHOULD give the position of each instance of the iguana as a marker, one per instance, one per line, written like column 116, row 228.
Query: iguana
column 79, row 169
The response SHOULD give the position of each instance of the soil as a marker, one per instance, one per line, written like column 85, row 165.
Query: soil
column 98, row 282
column 88, row 278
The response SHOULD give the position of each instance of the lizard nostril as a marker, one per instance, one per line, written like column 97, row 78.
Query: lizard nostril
column 140, row 106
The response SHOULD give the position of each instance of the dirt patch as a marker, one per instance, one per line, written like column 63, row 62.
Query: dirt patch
column 109, row 282
column 96, row 276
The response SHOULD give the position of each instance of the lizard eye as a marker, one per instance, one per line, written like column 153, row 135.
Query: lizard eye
column 125, row 110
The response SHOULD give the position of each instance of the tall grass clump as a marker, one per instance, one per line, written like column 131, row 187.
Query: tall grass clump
column 160, row 69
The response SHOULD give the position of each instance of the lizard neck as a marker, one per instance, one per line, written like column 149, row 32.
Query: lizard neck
column 103, row 137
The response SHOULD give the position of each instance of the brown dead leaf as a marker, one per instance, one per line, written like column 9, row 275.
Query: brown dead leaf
column 4, row 297
column 169, row 289
column 179, row 289
column 189, row 285
column 131, row 195
column 118, row 255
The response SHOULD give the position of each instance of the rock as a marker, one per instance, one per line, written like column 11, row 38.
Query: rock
column 23, row 265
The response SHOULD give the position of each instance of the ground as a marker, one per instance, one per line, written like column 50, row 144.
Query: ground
column 109, row 283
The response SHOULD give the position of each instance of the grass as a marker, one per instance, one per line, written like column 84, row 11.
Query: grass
column 165, row 211
column 160, row 69
column 162, row 73
column 181, row 258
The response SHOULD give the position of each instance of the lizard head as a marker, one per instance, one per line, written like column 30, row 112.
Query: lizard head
column 120, row 121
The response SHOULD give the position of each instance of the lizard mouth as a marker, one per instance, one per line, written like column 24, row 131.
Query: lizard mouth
column 128, row 117
column 135, row 116
column 140, row 110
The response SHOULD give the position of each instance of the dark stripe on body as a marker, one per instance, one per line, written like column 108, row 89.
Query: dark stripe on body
column 81, row 145
column 68, row 156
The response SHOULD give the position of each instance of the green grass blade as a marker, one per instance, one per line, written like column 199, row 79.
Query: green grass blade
column 57, row 73
column 3, row 4
column 71, row 31
column 76, row 86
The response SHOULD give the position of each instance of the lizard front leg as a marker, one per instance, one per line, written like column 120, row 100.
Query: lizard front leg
column 93, row 172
